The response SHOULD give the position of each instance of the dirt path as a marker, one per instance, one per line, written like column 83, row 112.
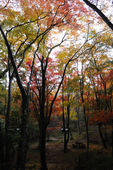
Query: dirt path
column 56, row 159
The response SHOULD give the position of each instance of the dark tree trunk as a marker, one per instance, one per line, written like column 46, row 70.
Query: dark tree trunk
column 68, row 114
column 84, row 109
column 112, row 137
column 102, row 137
column 65, row 142
column 87, row 133
column 87, row 130
column 22, row 146
column 43, row 147
column 43, row 117
column 8, row 140
column 2, row 157
column 23, row 142
column 63, row 119
column 78, row 126
column 66, row 133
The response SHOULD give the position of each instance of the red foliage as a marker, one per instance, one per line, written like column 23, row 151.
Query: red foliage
column 101, row 102
column 51, row 83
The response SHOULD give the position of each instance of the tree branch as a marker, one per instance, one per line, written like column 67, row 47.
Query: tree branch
column 105, row 19
column 13, row 63
column 3, row 73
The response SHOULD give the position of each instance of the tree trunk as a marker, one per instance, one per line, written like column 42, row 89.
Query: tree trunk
column 65, row 143
column 2, row 158
column 66, row 134
column 87, row 134
column 8, row 141
column 84, row 110
column 77, row 110
column 23, row 142
column 64, row 131
column 102, row 138
column 87, row 130
column 78, row 126
column 112, row 137
column 43, row 148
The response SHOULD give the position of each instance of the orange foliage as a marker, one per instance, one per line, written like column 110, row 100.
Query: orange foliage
column 54, row 12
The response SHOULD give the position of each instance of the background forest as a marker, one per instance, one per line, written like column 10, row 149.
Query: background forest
column 55, row 79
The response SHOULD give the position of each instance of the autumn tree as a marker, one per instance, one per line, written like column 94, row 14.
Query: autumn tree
column 25, row 33
column 22, row 34
column 44, row 83
column 101, row 104
column 96, row 70
column 68, row 91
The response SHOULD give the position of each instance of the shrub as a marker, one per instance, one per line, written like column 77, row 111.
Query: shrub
column 92, row 161
column 100, row 162
column 83, row 158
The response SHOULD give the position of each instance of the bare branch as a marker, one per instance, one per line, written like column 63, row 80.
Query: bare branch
column 105, row 19
column 5, row 5
column 10, row 55
column 3, row 73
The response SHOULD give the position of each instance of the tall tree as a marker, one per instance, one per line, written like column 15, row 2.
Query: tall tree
column 23, row 31
column 97, row 67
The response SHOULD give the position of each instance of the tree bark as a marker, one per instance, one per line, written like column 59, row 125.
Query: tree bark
column 63, row 119
column 78, row 126
column 101, row 135
column 43, row 147
column 66, row 133
column 112, row 137
column 2, row 156
column 84, row 108
column 8, row 137
column 23, row 142
column 87, row 131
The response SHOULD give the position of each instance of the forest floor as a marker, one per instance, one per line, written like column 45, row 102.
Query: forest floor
column 56, row 159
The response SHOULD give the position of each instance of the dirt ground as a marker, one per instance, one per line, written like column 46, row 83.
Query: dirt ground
column 56, row 159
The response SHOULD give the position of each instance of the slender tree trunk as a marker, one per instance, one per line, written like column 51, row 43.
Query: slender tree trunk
column 78, row 126
column 87, row 133
column 7, row 127
column 43, row 117
column 23, row 142
column 65, row 144
column 66, row 134
column 85, row 117
column 63, row 119
column 68, row 114
column 101, row 135
column 112, row 137
column 2, row 156
column 43, row 147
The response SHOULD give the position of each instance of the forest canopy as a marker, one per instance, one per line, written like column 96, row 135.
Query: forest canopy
column 55, row 60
